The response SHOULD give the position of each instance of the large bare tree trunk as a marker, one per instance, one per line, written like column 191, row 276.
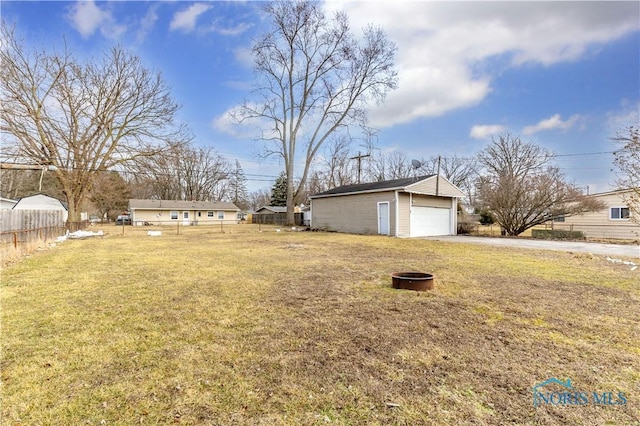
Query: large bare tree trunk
column 314, row 79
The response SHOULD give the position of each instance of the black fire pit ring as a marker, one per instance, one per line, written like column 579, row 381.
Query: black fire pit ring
column 418, row 281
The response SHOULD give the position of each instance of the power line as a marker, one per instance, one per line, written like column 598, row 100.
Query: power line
column 583, row 154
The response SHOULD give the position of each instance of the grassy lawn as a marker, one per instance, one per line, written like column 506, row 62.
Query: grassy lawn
column 301, row 328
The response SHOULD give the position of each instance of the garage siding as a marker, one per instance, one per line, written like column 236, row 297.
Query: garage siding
column 404, row 201
column 445, row 189
column 354, row 213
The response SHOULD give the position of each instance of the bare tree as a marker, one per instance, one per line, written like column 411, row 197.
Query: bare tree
column 259, row 198
column 157, row 177
column 204, row 175
column 394, row 165
column 460, row 171
column 627, row 161
column 315, row 77
column 338, row 168
column 316, row 183
column 81, row 116
column 183, row 172
column 522, row 189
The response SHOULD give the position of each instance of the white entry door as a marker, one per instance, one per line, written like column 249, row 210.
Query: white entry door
column 185, row 218
column 383, row 218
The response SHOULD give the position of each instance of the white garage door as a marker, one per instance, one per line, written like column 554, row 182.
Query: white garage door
column 428, row 221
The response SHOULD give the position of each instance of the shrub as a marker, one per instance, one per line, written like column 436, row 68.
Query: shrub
column 486, row 218
column 557, row 234
column 465, row 228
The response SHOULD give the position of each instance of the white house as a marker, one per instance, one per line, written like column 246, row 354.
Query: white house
column 611, row 222
column 167, row 212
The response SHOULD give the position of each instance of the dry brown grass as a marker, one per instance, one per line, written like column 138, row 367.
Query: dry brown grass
column 291, row 328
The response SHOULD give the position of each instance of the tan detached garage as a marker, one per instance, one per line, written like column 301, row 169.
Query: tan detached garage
column 413, row 207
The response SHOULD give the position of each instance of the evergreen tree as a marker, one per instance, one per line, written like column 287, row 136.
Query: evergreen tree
column 239, row 190
column 110, row 194
column 279, row 191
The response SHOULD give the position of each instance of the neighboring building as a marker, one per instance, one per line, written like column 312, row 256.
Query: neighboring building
column 412, row 207
column 275, row 215
column 613, row 221
column 168, row 212
column 271, row 210
column 6, row 203
column 42, row 202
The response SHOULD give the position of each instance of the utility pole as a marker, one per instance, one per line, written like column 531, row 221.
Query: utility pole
column 359, row 157
column 13, row 166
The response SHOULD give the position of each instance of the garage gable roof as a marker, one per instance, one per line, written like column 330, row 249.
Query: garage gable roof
column 405, row 184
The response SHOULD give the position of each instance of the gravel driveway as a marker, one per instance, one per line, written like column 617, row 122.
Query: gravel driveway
column 611, row 250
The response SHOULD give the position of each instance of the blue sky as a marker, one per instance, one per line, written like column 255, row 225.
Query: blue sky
column 565, row 75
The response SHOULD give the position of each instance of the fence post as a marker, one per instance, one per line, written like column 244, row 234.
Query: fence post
column 15, row 240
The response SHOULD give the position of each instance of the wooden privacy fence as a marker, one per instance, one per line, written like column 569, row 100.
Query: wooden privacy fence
column 29, row 226
column 276, row 218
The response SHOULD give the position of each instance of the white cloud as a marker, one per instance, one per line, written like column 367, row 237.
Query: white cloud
column 244, row 56
column 627, row 115
column 450, row 52
column 147, row 23
column 554, row 122
column 185, row 20
column 484, row 131
column 234, row 30
column 229, row 122
column 86, row 17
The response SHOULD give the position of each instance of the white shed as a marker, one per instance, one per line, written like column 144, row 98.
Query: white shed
column 7, row 203
column 41, row 202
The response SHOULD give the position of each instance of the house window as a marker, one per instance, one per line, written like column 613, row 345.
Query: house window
column 220, row 215
column 559, row 218
column 620, row 213
column 199, row 214
column 174, row 215
column 210, row 214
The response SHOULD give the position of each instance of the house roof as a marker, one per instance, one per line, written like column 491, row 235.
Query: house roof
column 273, row 209
column 615, row 191
column 386, row 185
column 137, row 204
